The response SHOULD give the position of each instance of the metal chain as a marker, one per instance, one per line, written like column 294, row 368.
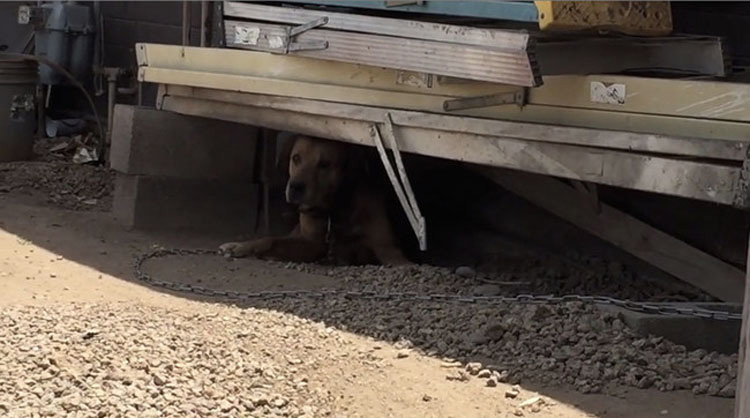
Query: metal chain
column 645, row 307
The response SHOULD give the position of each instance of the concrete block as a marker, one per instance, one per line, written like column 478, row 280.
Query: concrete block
column 692, row 332
column 152, row 142
column 209, row 205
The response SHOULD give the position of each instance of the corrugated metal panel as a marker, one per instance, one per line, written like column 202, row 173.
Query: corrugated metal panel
column 496, row 65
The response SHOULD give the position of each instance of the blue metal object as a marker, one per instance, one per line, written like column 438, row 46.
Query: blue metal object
column 65, row 35
column 519, row 11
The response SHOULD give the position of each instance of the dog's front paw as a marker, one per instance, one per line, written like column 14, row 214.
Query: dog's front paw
column 244, row 249
column 235, row 249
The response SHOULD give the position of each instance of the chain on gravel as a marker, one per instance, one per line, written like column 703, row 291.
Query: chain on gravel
column 644, row 307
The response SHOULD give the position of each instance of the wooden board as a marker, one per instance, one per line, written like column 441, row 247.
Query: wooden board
column 659, row 249
column 672, row 107
column 703, row 181
column 497, row 65
column 596, row 138
column 438, row 32
column 646, row 18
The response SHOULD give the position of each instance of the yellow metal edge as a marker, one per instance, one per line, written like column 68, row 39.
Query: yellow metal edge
column 714, row 100
column 643, row 18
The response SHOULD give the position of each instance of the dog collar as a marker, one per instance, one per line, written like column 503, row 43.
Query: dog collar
column 328, row 231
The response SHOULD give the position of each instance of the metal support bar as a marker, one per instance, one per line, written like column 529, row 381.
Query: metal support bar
column 517, row 97
column 185, row 23
column 217, row 25
column 204, row 16
column 401, row 184
column 591, row 192
column 397, row 3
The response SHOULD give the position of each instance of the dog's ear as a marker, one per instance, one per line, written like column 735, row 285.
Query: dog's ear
column 284, row 143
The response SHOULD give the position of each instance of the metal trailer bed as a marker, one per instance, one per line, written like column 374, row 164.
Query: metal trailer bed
column 682, row 138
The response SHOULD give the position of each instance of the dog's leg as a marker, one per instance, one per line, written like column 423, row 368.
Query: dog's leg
column 293, row 248
column 306, row 243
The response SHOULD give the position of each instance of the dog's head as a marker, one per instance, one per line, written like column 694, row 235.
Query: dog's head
column 318, row 170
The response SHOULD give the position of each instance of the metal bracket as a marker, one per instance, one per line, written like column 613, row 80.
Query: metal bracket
column 742, row 186
column 290, row 45
column 401, row 184
column 463, row 103
column 20, row 106
column 397, row 3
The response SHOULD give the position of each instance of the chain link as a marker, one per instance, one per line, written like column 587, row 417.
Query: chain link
column 645, row 307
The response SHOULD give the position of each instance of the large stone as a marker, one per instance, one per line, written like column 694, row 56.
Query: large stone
column 691, row 331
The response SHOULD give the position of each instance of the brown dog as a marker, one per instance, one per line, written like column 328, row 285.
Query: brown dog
column 339, row 214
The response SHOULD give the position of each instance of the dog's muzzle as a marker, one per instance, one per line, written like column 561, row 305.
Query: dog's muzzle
column 295, row 192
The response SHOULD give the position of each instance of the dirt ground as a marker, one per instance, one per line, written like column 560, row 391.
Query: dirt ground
column 69, row 273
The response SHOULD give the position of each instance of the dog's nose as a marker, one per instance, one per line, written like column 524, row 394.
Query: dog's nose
column 295, row 192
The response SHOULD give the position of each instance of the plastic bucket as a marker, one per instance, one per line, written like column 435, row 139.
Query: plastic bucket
column 18, row 79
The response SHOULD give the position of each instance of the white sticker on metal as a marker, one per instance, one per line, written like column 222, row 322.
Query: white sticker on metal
column 246, row 35
column 607, row 93
column 410, row 78
column 24, row 15
column 275, row 42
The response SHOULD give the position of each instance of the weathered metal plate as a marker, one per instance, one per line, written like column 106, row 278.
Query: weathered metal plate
column 697, row 180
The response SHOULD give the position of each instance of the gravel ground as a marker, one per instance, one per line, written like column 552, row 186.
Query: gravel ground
column 60, row 184
column 134, row 360
column 124, row 360
column 53, row 179
column 570, row 344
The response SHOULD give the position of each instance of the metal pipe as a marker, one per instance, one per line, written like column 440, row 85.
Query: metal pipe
column 111, row 96
column 185, row 23
column 204, row 15
column 98, row 50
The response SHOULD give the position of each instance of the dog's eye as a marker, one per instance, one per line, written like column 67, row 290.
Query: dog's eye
column 296, row 159
column 324, row 164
